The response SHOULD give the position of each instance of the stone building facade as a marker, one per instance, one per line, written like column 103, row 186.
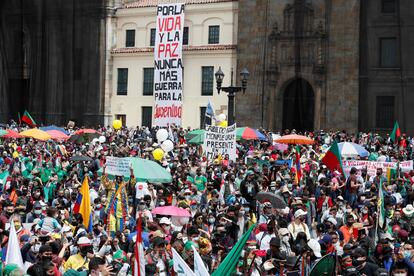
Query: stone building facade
column 303, row 60
column 387, row 65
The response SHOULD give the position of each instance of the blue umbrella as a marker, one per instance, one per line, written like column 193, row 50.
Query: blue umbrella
column 53, row 127
column 348, row 149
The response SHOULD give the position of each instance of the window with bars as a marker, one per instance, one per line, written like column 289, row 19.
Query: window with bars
column 385, row 111
column 185, row 36
column 146, row 116
column 130, row 38
column 203, row 119
column 389, row 52
column 148, row 89
column 388, row 6
column 122, row 118
column 207, row 80
column 152, row 37
column 213, row 34
column 122, row 84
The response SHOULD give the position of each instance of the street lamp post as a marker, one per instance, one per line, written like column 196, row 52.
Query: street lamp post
column 231, row 90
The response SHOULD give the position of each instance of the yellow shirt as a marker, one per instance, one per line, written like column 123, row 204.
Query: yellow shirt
column 75, row 262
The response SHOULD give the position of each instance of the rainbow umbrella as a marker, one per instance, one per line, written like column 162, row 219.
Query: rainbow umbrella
column 3, row 132
column 12, row 134
column 247, row 133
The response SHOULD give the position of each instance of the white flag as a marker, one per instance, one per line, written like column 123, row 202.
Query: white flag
column 180, row 266
column 13, row 248
column 199, row 267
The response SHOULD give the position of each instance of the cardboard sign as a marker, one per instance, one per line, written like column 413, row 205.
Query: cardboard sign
column 117, row 166
column 220, row 141
column 168, row 65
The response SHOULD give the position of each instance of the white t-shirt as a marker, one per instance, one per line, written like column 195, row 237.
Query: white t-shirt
column 263, row 238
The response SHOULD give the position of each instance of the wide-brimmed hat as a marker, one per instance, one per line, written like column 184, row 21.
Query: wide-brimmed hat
column 408, row 210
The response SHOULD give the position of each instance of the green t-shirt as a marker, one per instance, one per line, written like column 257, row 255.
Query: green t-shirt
column 200, row 182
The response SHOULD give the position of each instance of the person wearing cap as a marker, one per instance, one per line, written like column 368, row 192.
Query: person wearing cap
column 265, row 216
column 271, row 262
column 249, row 188
column 359, row 261
column 265, row 235
column 117, row 206
column 284, row 236
column 80, row 261
column 165, row 224
column 299, row 225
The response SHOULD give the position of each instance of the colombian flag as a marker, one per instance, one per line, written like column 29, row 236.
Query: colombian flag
column 298, row 167
column 83, row 205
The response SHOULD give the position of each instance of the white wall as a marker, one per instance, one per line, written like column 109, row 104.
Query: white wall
column 198, row 18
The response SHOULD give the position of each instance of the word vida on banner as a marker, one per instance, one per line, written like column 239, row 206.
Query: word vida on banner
column 168, row 65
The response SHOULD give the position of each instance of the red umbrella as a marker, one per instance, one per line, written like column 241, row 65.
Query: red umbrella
column 12, row 134
column 57, row 135
column 86, row 131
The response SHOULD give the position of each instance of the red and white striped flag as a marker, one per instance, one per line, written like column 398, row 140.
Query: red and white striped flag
column 139, row 263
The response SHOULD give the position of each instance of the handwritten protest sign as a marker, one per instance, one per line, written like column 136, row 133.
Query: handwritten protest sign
column 168, row 79
column 372, row 166
column 220, row 141
column 117, row 166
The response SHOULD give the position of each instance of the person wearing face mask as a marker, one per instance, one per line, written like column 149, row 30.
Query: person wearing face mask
column 359, row 261
column 165, row 224
column 35, row 214
column 45, row 255
column 20, row 231
column 60, row 196
column 400, row 269
column 8, row 211
column 265, row 216
column 406, row 255
column 284, row 236
column 299, row 225
column 80, row 261
column 347, row 229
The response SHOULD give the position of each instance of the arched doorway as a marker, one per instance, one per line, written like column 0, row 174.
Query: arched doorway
column 298, row 106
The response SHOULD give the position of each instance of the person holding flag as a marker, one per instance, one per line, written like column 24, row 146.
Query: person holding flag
column 83, row 204
column 117, row 206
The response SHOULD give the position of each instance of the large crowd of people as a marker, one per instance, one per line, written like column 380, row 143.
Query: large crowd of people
column 326, row 213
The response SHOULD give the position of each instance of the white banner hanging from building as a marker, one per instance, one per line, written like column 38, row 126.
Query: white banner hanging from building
column 220, row 141
column 168, row 67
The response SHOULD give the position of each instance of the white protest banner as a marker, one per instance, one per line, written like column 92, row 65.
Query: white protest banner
column 372, row 166
column 199, row 267
column 220, row 141
column 117, row 166
column 180, row 266
column 168, row 77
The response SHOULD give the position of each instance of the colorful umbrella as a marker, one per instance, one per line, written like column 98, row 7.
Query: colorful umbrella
column 194, row 133
column 3, row 132
column 147, row 170
column 12, row 134
column 295, row 139
column 57, row 135
column 348, row 149
column 53, row 127
column 84, row 135
column 36, row 133
column 247, row 133
column 171, row 211
column 198, row 139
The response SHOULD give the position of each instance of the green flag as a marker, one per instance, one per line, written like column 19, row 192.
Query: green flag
column 3, row 177
column 227, row 266
column 396, row 133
